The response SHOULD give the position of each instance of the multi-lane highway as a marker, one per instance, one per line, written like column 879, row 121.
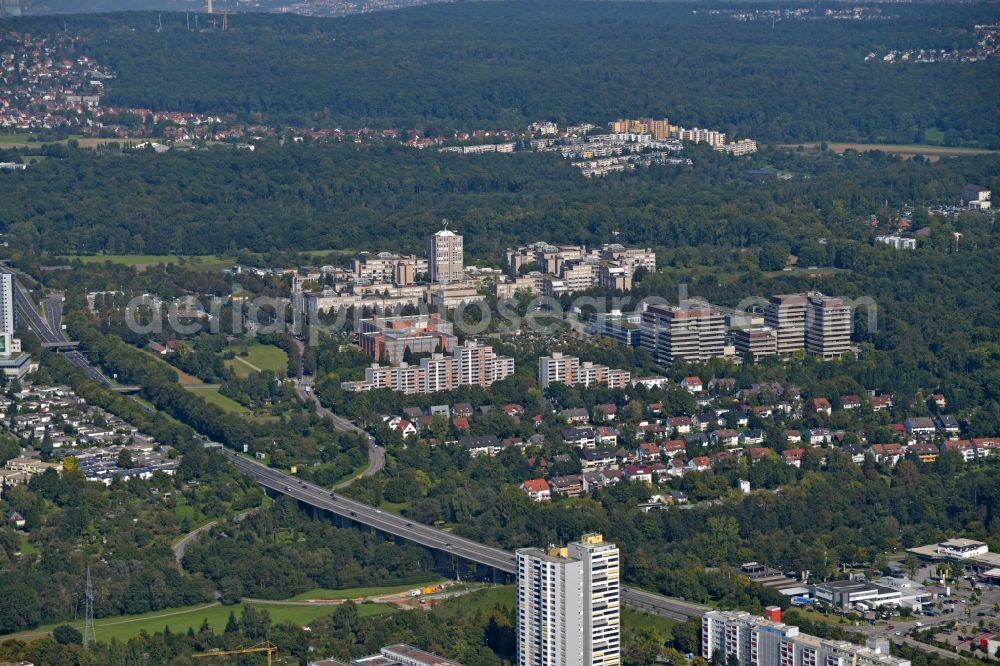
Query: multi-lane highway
column 29, row 317
column 431, row 537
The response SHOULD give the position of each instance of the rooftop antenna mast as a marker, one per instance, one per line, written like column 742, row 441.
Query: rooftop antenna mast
column 187, row 17
column 159, row 21
column 89, row 633
column 210, row 7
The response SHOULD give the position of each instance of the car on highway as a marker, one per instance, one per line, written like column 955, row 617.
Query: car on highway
column 448, row 545
column 409, row 524
column 353, row 513
column 378, row 510
column 287, row 488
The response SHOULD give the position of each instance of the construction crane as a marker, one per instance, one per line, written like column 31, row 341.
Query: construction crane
column 268, row 647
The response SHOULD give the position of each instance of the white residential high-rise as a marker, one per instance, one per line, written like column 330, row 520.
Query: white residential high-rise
column 568, row 604
column 445, row 257
column 7, row 304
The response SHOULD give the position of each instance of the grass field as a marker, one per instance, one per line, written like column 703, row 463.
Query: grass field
column 259, row 357
column 904, row 150
column 180, row 619
column 481, row 600
column 21, row 141
column 213, row 396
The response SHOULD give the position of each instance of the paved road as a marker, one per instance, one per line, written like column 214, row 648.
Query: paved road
column 52, row 307
column 431, row 537
column 29, row 317
column 376, row 453
column 180, row 547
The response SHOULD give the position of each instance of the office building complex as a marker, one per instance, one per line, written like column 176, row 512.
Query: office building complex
column 758, row 341
column 445, row 257
column 569, row 268
column 568, row 604
column 469, row 365
column 786, row 314
column 388, row 338
column 561, row 369
column 621, row 327
column 828, row 326
column 388, row 268
column 692, row 332
column 819, row 324
column 769, row 642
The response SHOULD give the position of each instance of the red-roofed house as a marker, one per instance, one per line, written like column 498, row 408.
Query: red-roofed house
column 649, row 451
column 699, row 463
column 821, row 406
column 850, row 402
column 963, row 446
column 639, row 473
column 986, row 446
column 758, row 453
column 793, row 457
column 887, row 453
column 513, row 410
column 881, row 402
column 673, row 447
column 460, row 423
column 537, row 489
column 692, row 384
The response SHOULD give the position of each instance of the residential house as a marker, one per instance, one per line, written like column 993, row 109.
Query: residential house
column 402, row 426
column 606, row 436
column 462, row 409
column 673, row 447
column 649, row 451
column 655, row 407
column 681, row 425
column 948, row 425
column 881, row 402
column 606, row 412
column 14, row 519
column 964, row 446
column 925, row 452
column 699, row 464
column 821, row 406
column 575, row 415
column 639, row 473
column 726, row 437
column 656, row 431
column 939, row 400
column 921, row 427
column 440, row 410
column 756, row 454
column 412, row 413
column 721, row 457
column 850, row 402
column 570, row 485
column 677, row 468
column 692, row 384
column 598, row 458
column 793, row 457
column 793, row 436
column 537, row 489
column 752, row 437
column 986, row 446
column 705, row 420
column 818, row 436
column 460, row 423
column 486, row 445
column 856, row 452
column 886, row 453
column 581, row 438
column 513, row 410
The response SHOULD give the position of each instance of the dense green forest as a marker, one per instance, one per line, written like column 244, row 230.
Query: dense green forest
column 390, row 197
column 503, row 65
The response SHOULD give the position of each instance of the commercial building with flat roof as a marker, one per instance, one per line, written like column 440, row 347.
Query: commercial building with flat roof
column 757, row 342
column 751, row 639
column 687, row 333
